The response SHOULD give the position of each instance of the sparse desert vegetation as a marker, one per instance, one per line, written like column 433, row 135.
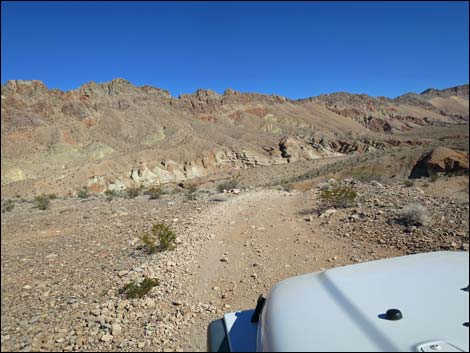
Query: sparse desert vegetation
column 42, row 202
column 154, row 193
column 339, row 196
column 160, row 238
column 83, row 193
column 228, row 185
column 110, row 194
column 133, row 192
column 408, row 183
column 8, row 205
column 414, row 215
column 191, row 193
column 134, row 290
column 365, row 221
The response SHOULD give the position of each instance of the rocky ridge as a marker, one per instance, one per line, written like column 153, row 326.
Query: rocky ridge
column 115, row 135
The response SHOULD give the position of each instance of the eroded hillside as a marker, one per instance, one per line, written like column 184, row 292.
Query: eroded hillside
column 115, row 135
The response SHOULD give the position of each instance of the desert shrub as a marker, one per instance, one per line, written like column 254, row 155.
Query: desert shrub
column 161, row 238
column 138, row 290
column 338, row 196
column 454, row 173
column 8, row 205
column 154, row 193
column 83, row 193
column 116, row 193
column 191, row 193
column 414, row 215
column 133, row 192
column 42, row 202
column 52, row 196
column 228, row 185
column 434, row 177
column 408, row 183
column 110, row 193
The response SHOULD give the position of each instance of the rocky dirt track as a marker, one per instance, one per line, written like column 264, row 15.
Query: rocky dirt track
column 62, row 268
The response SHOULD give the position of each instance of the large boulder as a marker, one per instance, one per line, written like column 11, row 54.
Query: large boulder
column 441, row 160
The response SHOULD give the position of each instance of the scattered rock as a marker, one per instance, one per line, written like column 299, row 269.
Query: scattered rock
column 106, row 338
column 116, row 329
column 329, row 212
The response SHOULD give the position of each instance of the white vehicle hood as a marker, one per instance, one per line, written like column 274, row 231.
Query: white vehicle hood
column 343, row 309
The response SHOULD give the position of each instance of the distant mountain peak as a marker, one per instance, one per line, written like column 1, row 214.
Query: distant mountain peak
column 462, row 90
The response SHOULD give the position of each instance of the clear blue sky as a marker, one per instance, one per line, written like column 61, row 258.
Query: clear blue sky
column 295, row 49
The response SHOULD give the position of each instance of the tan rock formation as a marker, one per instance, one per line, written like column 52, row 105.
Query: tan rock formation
column 114, row 134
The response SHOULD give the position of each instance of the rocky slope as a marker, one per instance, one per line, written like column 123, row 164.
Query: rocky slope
column 62, row 268
column 114, row 135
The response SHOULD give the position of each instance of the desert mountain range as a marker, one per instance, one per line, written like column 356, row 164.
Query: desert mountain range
column 114, row 135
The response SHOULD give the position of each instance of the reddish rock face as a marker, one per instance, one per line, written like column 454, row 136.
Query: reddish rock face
column 96, row 188
column 111, row 124
column 258, row 111
column 442, row 160
column 446, row 160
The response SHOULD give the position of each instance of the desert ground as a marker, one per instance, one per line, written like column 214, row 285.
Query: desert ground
column 62, row 267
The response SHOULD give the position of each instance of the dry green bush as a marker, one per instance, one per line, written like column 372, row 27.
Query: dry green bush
column 110, row 193
column 154, row 193
column 228, row 185
column 434, row 177
column 8, row 205
column 408, row 183
column 191, row 193
column 132, row 193
column 138, row 290
column 161, row 238
column 42, row 202
column 338, row 196
column 83, row 193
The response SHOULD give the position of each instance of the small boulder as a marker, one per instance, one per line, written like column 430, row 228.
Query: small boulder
column 107, row 338
column 329, row 212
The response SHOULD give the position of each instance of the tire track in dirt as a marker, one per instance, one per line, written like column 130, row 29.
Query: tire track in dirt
column 259, row 238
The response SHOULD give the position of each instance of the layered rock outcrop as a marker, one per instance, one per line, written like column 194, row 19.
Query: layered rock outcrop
column 115, row 134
